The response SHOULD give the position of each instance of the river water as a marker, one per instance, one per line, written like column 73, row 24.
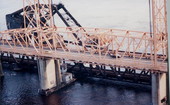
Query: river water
column 21, row 88
column 119, row 14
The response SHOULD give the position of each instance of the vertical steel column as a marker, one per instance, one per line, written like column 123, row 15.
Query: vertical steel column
column 159, row 15
column 168, row 76
column 154, row 30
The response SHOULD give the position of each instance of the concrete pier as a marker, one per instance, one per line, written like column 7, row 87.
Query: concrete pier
column 49, row 75
column 159, row 94
column 58, row 72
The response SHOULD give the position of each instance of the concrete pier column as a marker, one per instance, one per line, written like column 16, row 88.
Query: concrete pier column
column 159, row 89
column 58, row 72
column 49, row 75
column 154, row 89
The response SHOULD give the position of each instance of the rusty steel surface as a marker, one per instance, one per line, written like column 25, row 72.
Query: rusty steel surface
column 124, row 48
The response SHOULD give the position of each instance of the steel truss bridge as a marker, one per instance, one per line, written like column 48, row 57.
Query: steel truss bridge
column 38, row 36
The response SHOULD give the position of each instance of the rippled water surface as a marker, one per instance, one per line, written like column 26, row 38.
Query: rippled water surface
column 21, row 88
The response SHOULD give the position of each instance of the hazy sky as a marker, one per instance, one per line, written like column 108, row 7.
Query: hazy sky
column 120, row 14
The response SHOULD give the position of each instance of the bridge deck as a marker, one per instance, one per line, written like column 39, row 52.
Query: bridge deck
column 88, row 58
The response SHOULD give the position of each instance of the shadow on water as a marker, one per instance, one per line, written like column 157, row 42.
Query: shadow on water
column 21, row 88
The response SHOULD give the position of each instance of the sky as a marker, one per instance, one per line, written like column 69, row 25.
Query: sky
column 119, row 14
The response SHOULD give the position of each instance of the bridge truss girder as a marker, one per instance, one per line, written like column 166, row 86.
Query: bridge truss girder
column 43, row 37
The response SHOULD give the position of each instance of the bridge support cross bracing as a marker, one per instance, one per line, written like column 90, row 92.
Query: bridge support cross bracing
column 159, row 89
column 49, row 75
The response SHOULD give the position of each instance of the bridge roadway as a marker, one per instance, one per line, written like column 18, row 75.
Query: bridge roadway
column 87, row 58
